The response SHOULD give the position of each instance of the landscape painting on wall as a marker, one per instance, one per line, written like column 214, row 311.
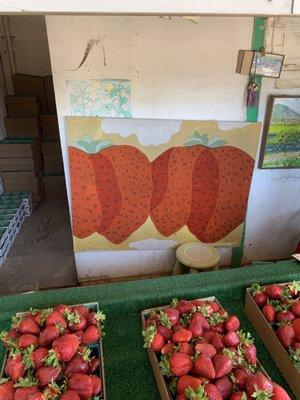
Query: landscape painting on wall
column 140, row 184
column 281, row 137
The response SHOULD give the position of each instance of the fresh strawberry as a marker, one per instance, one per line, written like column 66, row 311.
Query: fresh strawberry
column 56, row 318
column 79, row 363
column 222, row 364
column 97, row 384
column 279, row 393
column 95, row 318
column 203, row 366
column 82, row 384
column 46, row 375
column 152, row 339
column 248, row 347
column 232, row 323
column 169, row 316
column 62, row 308
column 231, row 339
column 205, row 348
column 286, row 335
column 225, row 386
column 36, row 396
column 76, row 322
column 239, row 377
column 27, row 325
column 94, row 365
column 198, row 302
column 7, row 389
column 286, row 316
column 258, row 381
column 295, row 308
column 207, row 310
column 258, row 295
column 184, row 306
column 196, row 325
column 167, row 348
column 9, row 339
column 91, row 335
column 238, row 396
column 81, row 310
column 48, row 335
column 274, row 292
column 212, row 392
column 182, row 335
column 296, row 326
column 207, row 392
column 14, row 367
column 23, row 393
column 215, row 306
column 187, row 381
column 219, row 327
column 217, row 341
column 269, row 313
column 180, row 364
column 186, row 348
column 294, row 289
column 79, row 334
column 38, row 356
column 27, row 340
column 164, row 331
column 70, row 395
column 64, row 348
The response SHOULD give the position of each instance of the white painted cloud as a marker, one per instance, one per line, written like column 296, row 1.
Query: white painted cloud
column 148, row 131
column 154, row 244
column 227, row 125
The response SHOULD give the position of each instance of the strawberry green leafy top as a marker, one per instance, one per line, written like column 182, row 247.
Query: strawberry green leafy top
column 199, row 139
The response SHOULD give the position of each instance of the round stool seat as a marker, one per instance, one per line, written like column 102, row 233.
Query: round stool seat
column 198, row 255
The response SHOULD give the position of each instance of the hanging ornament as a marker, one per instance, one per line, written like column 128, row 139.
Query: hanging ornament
column 253, row 93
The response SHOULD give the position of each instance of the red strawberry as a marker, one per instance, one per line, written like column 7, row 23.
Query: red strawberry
column 14, row 367
column 240, row 376
column 56, row 318
column 97, row 384
column 172, row 316
column 296, row 326
column 182, row 335
column 187, row 381
column 77, row 322
column 274, row 291
column 225, row 386
column 91, row 335
column 38, row 356
column 7, row 389
column 231, row 339
column 209, row 391
column 152, row 339
column 269, row 313
column 222, row 364
column 36, row 396
column 62, row 308
column 94, row 365
column 203, row 366
column 215, row 306
column 70, row 395
column 164, row 331
column 248, row 347
column 48, row 335
column 66, row 347
column 79, row 363
column 82, row 384
column 296, row 308
column 27, row 325
column 212, row 392
column 180, row 364
column 79, row 334
column 46, row 375
column 167, row 348
column 293, row 289
column 287, row 316
column 184, row 306
column 95, row 318
column 232, row 323
column 260, row 299
column 198, row 302
column 205, row 348
column 196, row 325
column 258, row 381
column 238, row 396
column 286, row 335
column 23, row 393
column 81, row 310
column 217, row 341
column 27, row 340
column 185, row 348
column 279, row 393
column 219, row 327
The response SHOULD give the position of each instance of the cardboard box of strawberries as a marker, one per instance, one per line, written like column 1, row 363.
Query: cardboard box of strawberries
column 199, row 352
column 274, row 310
column 53, row 354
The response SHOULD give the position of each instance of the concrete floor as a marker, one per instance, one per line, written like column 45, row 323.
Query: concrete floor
column 42, row 254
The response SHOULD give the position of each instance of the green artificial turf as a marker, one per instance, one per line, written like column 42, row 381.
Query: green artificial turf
column 127, row 369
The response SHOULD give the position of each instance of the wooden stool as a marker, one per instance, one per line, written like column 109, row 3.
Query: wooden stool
column 197, row 257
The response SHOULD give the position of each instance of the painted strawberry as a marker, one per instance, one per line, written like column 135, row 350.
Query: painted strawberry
column 70, row 395
column 46, row 375
column 186, row 381
column 91, row 335
column 204, row 367
column 274, row 291
column 153, row 339
column 14, row 367
column 82, row 384
column 7, row 389
column 180, row 364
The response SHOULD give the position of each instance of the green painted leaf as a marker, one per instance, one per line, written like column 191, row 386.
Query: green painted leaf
column 91, row 146
column 217, row 143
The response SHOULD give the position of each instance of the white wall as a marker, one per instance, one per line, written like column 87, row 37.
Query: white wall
column 178, row 70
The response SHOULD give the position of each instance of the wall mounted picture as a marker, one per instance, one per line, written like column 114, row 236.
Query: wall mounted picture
column 141, row 184
column 268, row 65
column 280, row 146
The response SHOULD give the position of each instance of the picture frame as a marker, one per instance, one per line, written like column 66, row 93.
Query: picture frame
column 268, row 65
column 280, row 146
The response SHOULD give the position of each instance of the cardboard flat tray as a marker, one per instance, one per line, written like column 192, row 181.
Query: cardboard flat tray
column 270, row 340
column 96, row 349
column 161, row 381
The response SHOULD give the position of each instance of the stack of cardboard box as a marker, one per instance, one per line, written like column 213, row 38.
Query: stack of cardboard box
column 14, row 208
column 50, row 97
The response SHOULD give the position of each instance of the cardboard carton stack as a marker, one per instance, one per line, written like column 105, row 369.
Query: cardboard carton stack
column 50, row 97
column 31, row 85
column 14, row 208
